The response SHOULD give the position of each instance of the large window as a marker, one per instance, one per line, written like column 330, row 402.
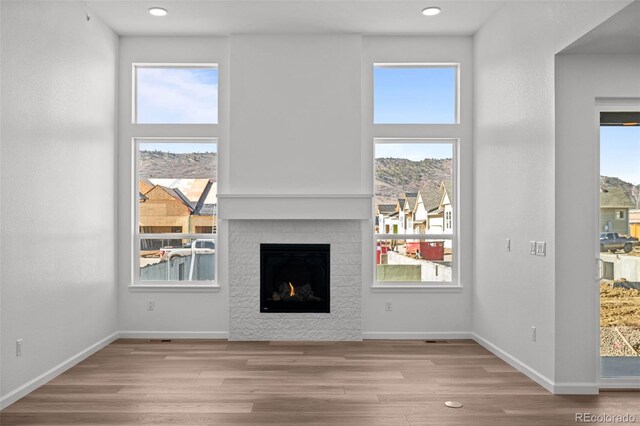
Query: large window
column 414, row 210
column 175, row 178
column 176, row 209
column 415, row 206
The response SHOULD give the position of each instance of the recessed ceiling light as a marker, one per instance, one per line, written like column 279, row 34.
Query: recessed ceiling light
column 157, row 11
column 431, row 11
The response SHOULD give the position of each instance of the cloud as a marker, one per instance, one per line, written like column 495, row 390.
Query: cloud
column 177, row 95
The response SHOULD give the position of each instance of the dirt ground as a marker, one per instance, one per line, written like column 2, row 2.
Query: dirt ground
column 619, row 320
column 619, row 306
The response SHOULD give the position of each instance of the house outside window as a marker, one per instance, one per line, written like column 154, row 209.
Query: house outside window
column 415, row 181
column 176, row 209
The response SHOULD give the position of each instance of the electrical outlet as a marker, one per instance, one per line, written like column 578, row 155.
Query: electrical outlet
column 508, row 245
column 533, row 334
column 387, row 305
column 541, row 248
column 19, row 347
column 151, row 305
column 532, row 248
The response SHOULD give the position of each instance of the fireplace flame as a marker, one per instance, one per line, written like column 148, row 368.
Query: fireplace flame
column 292, row 290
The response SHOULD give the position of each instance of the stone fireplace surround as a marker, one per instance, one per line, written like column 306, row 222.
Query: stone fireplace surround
column 344, row 322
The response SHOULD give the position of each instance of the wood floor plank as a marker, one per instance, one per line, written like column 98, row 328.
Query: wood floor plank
column 380, row 382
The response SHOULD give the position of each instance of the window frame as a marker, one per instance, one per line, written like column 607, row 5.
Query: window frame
column 138, row 236
column 453, row 237
column 134, row 89
column 455, row 65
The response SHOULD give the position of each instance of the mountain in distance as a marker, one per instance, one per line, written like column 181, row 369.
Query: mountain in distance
column 393, row 176
column 608, row 182
column 193, row 165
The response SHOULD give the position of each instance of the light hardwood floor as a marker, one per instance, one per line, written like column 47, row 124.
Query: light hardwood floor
column 213, row 382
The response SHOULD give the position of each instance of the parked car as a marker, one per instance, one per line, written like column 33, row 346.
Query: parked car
column 194, row 247
column 613, row 242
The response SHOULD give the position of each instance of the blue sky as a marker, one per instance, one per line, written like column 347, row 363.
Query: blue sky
column 620, row 152
column 414, row 95
column 177, row 95
column 414, row 151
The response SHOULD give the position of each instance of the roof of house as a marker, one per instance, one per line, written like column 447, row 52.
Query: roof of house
column 386, row 209
column 145, row 185
column 448, row 186
column 401, row 202
column 431, row 198
column 175, row 193
column 192, row 188
column 615, row 197
column 411, row 198
column 203, row 197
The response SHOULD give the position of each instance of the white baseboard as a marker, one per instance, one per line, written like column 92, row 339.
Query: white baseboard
column 418, row 335
column 516, row 363
column 560, row 388
column 174, row 334
column 32, row 385
column 619, row 383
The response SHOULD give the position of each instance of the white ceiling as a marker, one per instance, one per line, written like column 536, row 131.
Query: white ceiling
column 224, row 17
column 619, row 34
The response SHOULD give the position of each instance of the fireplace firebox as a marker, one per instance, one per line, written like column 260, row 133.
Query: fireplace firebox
column 294, row 278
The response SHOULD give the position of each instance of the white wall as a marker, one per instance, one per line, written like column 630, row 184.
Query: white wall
column 419, row 313
column 57, row 186
column 515, row 174
column 295, row 128
column 185, row 313
column 580, row 79
column 295, row 114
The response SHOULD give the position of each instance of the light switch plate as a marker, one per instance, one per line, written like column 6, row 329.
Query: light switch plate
column 532, row 247
column 508, row 245
column 541, row 248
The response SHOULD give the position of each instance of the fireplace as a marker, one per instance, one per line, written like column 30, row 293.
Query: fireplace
column 294, row 278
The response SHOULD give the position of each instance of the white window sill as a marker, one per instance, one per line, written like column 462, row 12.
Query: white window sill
column 415, row 288
column 175, row 288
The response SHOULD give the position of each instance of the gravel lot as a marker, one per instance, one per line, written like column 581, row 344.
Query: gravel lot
column 619, row 320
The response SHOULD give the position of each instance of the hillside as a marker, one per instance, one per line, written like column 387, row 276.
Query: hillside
column 392, row 175
column 608, row 182
column 158, row 164
column 397, row 175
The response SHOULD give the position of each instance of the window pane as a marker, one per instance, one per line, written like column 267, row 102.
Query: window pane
column 414, row 188
column 414, row 94
column 177, row 259
column 176, row 95
column 177, row 190
column 414, row 260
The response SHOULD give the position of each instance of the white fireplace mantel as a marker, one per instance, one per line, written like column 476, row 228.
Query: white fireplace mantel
column 295, row 206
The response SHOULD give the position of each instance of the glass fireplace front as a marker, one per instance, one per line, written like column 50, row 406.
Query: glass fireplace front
column 294, row 277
